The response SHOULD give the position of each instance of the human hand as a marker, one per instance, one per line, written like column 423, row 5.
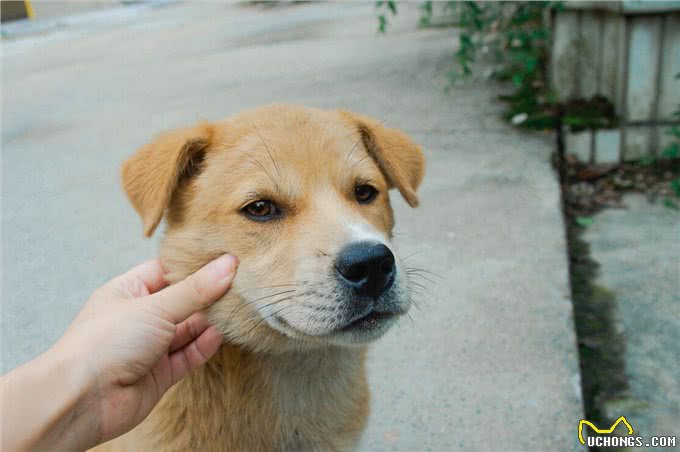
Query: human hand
column 130, row 343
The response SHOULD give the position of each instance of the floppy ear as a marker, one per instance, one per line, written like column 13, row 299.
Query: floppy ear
column 152, row 174
column 398, row 157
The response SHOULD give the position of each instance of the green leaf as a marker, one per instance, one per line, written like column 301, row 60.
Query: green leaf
column 392, row 6
column 675, row 186
column 540, row 33
column 426, row 13
column 647, row 160
column 672, row 151
column 517, row 79
column 584, row 222
column 530, row 63
column 670, row 204
column 557, row 6
column 382, row 23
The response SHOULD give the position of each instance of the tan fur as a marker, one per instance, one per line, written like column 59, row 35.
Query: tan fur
column 151, row 176
column 266, row 390
column 398, row 157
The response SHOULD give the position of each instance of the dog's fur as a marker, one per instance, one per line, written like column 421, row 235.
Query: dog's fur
column 285, row 378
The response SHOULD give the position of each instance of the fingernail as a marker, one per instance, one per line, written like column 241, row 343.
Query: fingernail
column 224, row 267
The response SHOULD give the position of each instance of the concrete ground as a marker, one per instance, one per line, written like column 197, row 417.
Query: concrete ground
column 489, row 364
column 639, row 255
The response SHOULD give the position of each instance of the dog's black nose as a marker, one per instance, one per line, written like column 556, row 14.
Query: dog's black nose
column 367, row 267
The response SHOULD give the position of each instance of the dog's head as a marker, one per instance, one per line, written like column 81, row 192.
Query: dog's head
column 301, row 197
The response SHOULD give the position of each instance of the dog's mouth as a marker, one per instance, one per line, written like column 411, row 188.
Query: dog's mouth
column 370, row 321
column 367, row 327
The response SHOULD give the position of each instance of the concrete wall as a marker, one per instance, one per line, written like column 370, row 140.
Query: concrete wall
column 629, row 54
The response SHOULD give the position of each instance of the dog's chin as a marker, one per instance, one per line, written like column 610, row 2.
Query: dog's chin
column 360, row 331
column 364, row 330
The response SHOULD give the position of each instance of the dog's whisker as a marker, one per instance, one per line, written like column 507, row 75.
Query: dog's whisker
column 194, row 239
column 423, row 300
column 412, row 254
column 257, row 162
column 360, row 138
column 321, row 252
column 248, row 303
column 276, row 302
column 413, row 303
column 251, row 289
column 285, row 298
column 268, row 316
column 425, row 288
column 270, row 295
column 276, row 166
column 359, row 161
column 309, row 319
column 425, row 278
column 423, row 270
column 417, row 290
column 347, row 157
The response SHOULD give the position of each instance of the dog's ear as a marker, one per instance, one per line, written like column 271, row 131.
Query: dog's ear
column 152, row 174
column 398, row 157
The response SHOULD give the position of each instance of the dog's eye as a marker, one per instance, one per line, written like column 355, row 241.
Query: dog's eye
column 365, row 193
column 261, row 210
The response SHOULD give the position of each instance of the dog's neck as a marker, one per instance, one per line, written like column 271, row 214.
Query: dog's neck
column 260, row 401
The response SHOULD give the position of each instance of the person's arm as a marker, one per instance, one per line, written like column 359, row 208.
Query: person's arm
column 42, row 403
column 132, row 341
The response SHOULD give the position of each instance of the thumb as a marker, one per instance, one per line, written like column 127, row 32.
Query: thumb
column 197, row 291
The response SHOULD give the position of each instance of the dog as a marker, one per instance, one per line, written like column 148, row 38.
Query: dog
column 300, row 195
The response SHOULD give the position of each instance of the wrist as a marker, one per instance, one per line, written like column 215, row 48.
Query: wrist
column 45, row 405
column 78, row 424
column 75, row 375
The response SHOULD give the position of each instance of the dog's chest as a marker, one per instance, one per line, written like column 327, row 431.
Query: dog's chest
column 292, row 403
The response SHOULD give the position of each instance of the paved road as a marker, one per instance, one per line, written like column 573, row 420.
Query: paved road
column 489, row 363
column 638, row 252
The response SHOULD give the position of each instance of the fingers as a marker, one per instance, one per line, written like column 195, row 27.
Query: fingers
column 194, row 355
column 189, row 330
column 142, row 280
column 197, row 291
